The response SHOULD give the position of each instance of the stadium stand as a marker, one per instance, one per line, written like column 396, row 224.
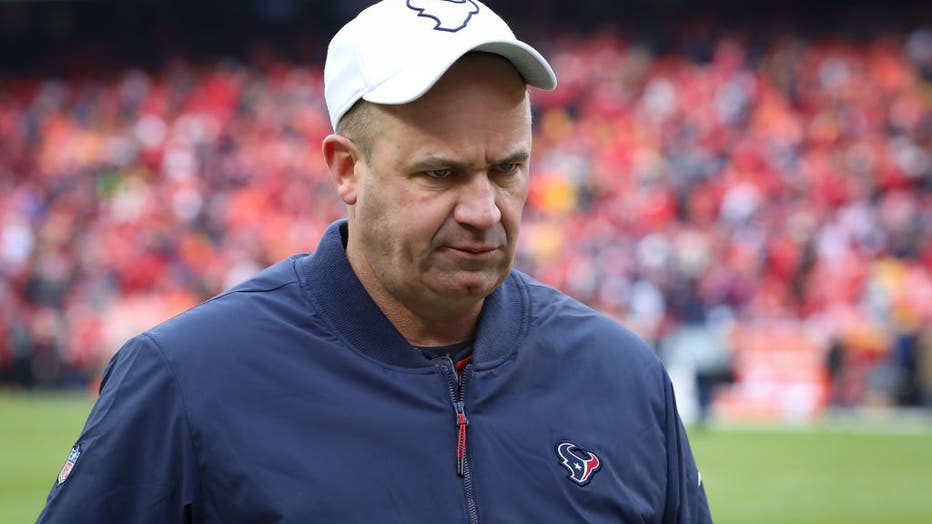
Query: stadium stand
column 769, row 195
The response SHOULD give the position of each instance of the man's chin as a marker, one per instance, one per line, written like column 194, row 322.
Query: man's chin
column 468, row 285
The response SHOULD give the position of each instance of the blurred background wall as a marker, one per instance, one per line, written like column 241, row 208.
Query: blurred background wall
column 746, row 185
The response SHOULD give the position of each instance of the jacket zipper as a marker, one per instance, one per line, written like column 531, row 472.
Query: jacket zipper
column 457, row 384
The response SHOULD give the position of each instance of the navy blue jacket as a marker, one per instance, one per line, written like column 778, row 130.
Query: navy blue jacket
column 291, row 398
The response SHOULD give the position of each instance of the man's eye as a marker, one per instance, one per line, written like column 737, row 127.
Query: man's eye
column 439, row 173
column 507, row 167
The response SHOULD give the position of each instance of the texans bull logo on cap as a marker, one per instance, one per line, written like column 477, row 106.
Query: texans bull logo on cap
column 450, row 15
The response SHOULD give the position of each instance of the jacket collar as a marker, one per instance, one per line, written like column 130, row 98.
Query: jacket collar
column 343, row 302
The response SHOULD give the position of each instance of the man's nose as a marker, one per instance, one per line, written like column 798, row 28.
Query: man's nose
column 476, row 206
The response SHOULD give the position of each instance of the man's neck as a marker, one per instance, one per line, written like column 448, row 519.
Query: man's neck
column 419, row 331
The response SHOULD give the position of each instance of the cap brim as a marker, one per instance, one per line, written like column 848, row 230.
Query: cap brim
column 416, row 79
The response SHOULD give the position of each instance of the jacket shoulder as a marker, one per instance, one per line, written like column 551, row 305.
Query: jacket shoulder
column 236, row 316
column 555, row 315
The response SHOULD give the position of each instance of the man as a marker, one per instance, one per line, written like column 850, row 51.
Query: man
column 403, row 372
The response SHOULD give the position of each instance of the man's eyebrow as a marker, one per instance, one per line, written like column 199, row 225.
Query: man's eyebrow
column 515, row 158
column 441, row 162
column 433, row 162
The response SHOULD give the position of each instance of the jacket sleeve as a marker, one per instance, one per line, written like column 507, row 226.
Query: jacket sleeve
column 134, row 460
column 686, row 500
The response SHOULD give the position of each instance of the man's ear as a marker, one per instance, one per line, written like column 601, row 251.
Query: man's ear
column 341, row 156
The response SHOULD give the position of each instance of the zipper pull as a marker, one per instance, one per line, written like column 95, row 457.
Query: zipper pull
column 461, row 423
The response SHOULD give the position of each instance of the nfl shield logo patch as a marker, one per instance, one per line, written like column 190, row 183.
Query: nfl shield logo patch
column 69, row 464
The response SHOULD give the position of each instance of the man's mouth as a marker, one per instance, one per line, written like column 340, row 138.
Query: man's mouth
column 474, row 250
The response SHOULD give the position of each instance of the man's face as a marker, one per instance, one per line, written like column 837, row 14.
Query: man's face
column 438, row 202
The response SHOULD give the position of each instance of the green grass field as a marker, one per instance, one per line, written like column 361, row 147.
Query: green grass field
column 854, row 474
column 36, row 433
column 850, row 475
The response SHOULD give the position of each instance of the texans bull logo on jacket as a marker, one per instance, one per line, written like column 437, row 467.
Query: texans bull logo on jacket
column 580, row 463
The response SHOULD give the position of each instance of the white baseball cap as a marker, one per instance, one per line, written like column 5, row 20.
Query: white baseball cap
column 396, row 50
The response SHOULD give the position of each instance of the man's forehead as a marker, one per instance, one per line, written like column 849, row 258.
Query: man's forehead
column 454, row 119
column 422, row 148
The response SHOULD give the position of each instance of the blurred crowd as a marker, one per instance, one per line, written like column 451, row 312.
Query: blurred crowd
column 761, row 214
